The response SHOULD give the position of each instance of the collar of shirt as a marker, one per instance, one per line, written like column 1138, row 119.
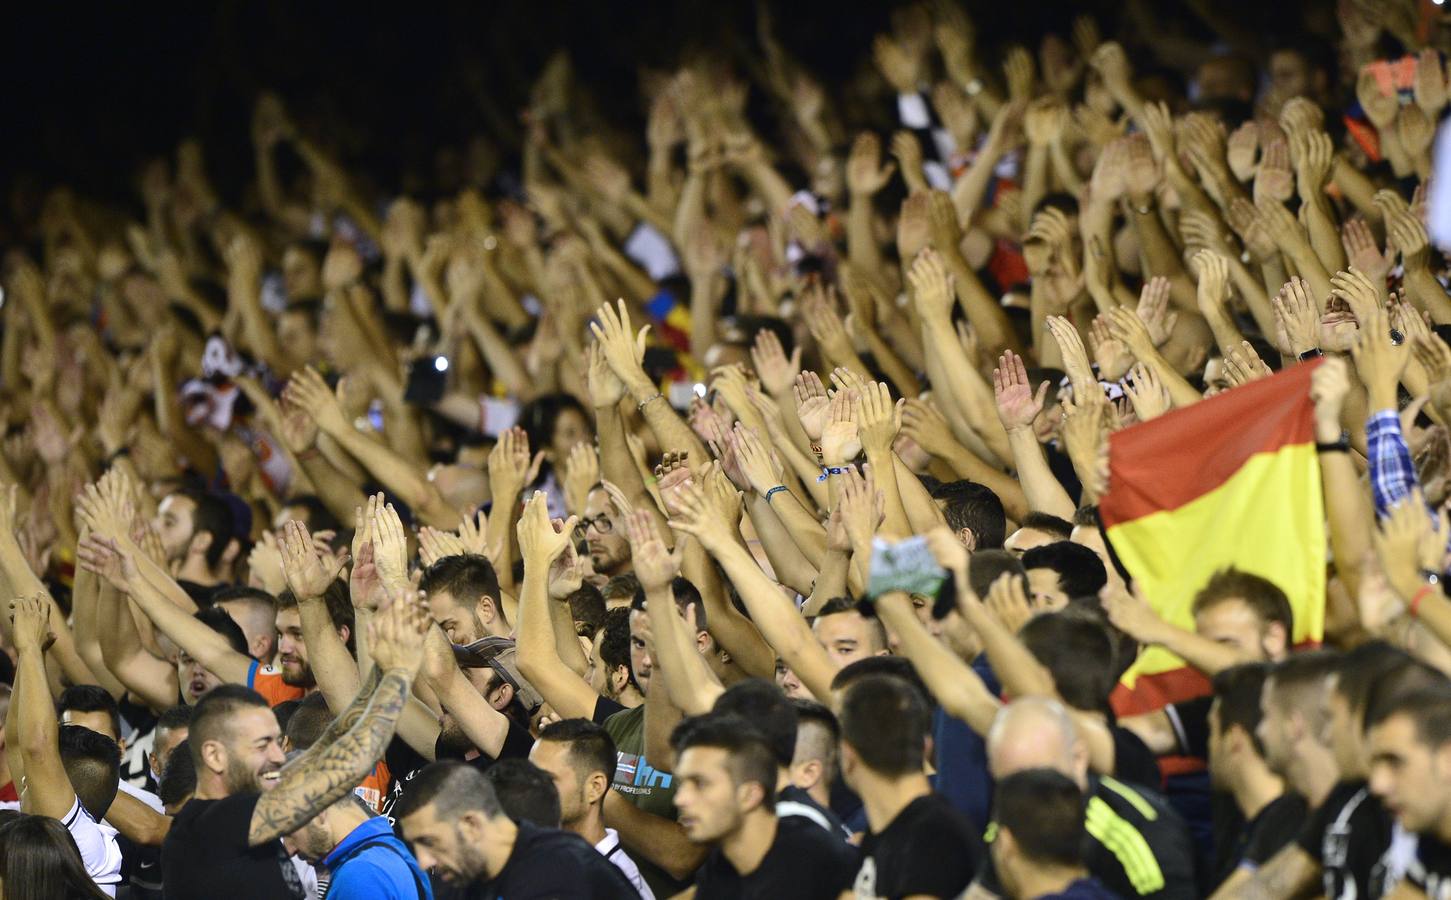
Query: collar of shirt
column 608, row 843
column 370, row 829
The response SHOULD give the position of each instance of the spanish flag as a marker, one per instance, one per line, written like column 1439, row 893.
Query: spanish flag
column 1233, row 480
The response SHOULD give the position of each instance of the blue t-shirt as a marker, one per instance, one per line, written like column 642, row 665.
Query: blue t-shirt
column 372, row 863
column 962, row 773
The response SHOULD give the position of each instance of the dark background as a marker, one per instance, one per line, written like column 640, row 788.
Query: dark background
column 91, row 90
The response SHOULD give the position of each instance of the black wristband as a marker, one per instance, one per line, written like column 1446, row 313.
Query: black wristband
column 1310, row 354
column 1340, row 446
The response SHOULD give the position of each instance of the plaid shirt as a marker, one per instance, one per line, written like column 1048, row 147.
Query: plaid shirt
column 1392, row 474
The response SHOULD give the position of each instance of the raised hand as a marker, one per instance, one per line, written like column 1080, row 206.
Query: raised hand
column 1125, row 325
column 510, row 466
column 1109, row 353
column 776, row 371
column 30, row 622
column 839, row 440
column 878, row 418
column 606, row 390
column 860, row 509
column 1409, row 542
column 1241, row 149
column 1017, row 405
column 397, row 634
column 1147, row 393
column 539, row 543
column 1075, row 356
column 694, row 516
column 1314, row 154
column 754, row 460
column 302, row 565
column 1007, row 601
column 308, row 392
column 928, row 428
column 931, row 286
column 623, row 348
column 1362, row 252
column 1358, row 291
column 581, row 473
column 104, row 558
column 1295, row 310
column 1329, row 386
column 1243, row 365
column 1212, row 291
column 655, row 566
column 434, row 545
column 390, row 547
column 1275, row 181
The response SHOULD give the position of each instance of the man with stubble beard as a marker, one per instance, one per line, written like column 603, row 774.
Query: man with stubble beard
column 225, row 843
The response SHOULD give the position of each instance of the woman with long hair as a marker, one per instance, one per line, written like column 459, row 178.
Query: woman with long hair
column 39, row 861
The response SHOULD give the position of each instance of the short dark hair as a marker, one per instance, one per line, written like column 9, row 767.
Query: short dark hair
column 339, row 608
column 615, row 645
column 1043, row 809
column 751, row 757
column 212, row 716
column 621, row 587
column 1361, row 667
column 810, row 713
column 837, row 606
column 587, row 608
column 241, row 593
column 308, row 721
column 1080, row 571
column 1263, row 597
column 986, row 566
column 173, row 718
column 1048, row 523
column 1078, row 653
column 1413, row 675
column 883, row 720
column 90, row 698
column 1086, row 516
column 453, row 787
column 216, row 618
column 214, row 516
column 467, row 576
column 93, row 763
column 178, row 779
column 975, row 507
column 686, row 596
column 591, row 749
column 525, row 791
column 762, row 703
column 891, row 666
column 1428, row 708
column 1238, row 691
column 1299, row 682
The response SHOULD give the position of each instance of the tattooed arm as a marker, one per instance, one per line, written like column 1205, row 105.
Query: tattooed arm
column 353, row 743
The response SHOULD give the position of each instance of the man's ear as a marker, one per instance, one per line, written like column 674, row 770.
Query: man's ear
column 472, row 825
column 619, row 678
column 344, row 632
column 1275, row 641
column 596, row 787
column 214, row 756
column 806, row 775
column 751, row 795
column 968, row 539
column 501, row 696
column 229, row 555
column 488, row 609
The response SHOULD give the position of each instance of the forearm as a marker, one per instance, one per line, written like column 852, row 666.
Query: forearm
column 703, row 291
column 861, row 243
column 1426, row 292
column 1324, row 233
column 85, row 611
column 805, row 531
column 566, row 643
column 336, row 672
column 399, row 476
column 732, row 631
column 199, row 641
column 831, row 582
column 323, row 778
column 986, row 314
column 661, row 841
column 954, row 684
column 337, row 492
column 1041, row 488
column 884, row 469
column 539, row 663
column 923, row 514
column 501, row 359
column 689, row 683
column 1161, row 256
column 48, row 791
column 136, row 821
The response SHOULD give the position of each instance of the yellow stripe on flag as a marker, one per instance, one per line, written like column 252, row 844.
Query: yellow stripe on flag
column 1267, row 518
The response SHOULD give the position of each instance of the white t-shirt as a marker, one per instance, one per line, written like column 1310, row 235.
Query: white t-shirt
column 99, row 852
column 611, row 850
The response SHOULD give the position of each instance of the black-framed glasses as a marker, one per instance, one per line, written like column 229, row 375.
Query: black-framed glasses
column 601, row 523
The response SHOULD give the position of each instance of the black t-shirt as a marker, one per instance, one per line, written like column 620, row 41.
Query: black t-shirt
column 1133, row 761
column 560, row 865
column 1348, row 835
column 805, row 861
column 929, row 848
column 1190, row 721
column 1138, row 845
column 1255, row 842
column 604, row 708
column 206, row 855
column 405, row 764
column 793, row 802
column 1430, row 871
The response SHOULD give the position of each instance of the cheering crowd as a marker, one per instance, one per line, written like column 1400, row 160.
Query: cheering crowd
column 718, row 514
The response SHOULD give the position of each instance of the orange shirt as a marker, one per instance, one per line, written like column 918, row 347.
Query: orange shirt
column 268, row 682
column 374, row 788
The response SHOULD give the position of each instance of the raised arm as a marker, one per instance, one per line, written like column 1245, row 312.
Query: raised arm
column 780, row 624
column 48, row 789
column 356, row 739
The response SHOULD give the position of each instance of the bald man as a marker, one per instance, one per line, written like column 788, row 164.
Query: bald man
column 1138, row 845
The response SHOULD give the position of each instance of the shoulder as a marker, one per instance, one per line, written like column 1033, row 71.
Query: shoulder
column 374, row 868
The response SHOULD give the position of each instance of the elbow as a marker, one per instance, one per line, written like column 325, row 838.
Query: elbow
column 685, row 862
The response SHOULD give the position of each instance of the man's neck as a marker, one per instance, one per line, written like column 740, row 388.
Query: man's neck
column 1314, row 776
column 748, row 845
column 1255, row 787
column 885, row 797
column 500, row 846
column 210, row 786
column 1040, row 880
column 591, row 825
